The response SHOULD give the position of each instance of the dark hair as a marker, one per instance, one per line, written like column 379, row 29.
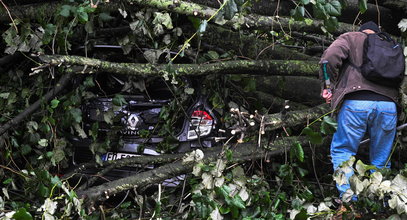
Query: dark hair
column 369, row 25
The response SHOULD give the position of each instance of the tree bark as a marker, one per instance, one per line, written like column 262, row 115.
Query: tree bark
column 388, row 18
column 305, row 90
column 251, row 21
column 241, row 153
column 397, row 5
column 294, row 118
column 261, row 67
column 274, row 103
column 250, row 46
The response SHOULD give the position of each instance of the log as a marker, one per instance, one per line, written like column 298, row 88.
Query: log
column 274, row 103
column 388, row 17
column 250, row 46
column 241, row 153
column 294, row 118
column 260, row 67
column 251, row 21
column 305, row 90
column 396, row 5
column 261, row 7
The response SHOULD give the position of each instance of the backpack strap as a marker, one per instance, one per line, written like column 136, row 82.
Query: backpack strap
column 386, row 36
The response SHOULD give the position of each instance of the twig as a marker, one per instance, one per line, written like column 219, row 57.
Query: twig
column 9, row 14
column 7, row 168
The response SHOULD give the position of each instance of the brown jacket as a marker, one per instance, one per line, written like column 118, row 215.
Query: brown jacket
column 344, row 77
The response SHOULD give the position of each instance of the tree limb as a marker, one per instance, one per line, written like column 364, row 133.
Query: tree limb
column 251, row 21
column 293, row 118
column 241, row 153
column 261, row 67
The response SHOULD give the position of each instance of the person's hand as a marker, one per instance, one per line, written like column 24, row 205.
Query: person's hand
column 327, row 95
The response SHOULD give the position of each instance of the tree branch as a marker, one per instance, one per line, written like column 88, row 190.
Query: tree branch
column 251, row 21
column 262, row 67
column 241, row 153
column 293, row 118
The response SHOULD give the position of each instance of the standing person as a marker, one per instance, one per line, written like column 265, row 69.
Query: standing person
column 362, row 106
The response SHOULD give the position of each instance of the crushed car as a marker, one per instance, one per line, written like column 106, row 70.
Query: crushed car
column 136, row 124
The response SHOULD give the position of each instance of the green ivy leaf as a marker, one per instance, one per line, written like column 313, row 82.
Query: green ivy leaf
column 54, row 103
column 213, row 55
column 43, row 190
column 361, row 168
column 250, row 85
column 65, row 10
column 298, row 13
column 25, row 149
column 224, row 209
column 83, row 16
column 22, row 214
column 4, row 95
column 301, row 171
column 12, row 98
column 356, row 184
column 328, row 125
column 333, row 8
column 319, row 11
column 305, row 2
column 238, row 202
column 94, row 131
column 89, row 27
column 331, row 24
column 76, row 114
column 362, row 6
column 56, row 181
column 88, row 9
column 105, row 17
column 163, row 19
column 202, row 26
column 119, row 100
column 331, row 121
column 196, row 22
column 308, row 21
column 189, row 91
column 7, row 181
column 314, row 137
column 43, row 142
column 108, row 117
column 230, row 9
column 298, row 151
column 88, row 82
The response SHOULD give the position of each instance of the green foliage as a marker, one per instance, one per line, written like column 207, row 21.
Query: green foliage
column 326, row 10
column 362, row 6
column 36, row 150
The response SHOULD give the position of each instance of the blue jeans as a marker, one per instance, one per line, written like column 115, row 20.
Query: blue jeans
column 355, row 118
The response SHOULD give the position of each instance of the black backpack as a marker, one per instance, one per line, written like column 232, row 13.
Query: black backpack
column 383, row 60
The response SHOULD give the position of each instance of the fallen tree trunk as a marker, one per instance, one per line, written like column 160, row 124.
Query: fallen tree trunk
column 251, row 21
column 294, row 118
column 261, row 67
column 304, row 90
column 397, row 5
column 241, row 153
column 249, row 46
column 274, row 103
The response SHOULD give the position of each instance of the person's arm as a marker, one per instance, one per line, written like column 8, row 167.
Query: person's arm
column 335, row 54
